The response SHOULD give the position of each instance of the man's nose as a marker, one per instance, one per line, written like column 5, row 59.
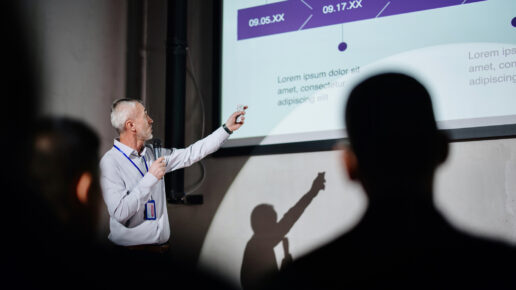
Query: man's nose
column 150, row 120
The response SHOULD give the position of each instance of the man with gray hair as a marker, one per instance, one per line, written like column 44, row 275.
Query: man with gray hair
column 132, row 177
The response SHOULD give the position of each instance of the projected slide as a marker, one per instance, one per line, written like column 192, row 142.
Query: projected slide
column 293, row 62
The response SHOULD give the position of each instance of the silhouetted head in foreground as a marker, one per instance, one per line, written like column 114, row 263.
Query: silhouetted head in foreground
column 64, row 172
column 393, row 134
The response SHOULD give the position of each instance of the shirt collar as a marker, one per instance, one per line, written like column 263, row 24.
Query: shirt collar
column 128, row 150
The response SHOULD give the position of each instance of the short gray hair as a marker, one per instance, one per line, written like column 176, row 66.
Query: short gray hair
column 120, row 112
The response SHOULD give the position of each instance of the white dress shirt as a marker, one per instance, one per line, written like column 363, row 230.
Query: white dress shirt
column 126, row 191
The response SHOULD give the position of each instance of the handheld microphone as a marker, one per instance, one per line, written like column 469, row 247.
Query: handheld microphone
column 156, row 144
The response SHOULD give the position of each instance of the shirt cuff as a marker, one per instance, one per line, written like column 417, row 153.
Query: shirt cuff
column 221, row 134
column 147, row 182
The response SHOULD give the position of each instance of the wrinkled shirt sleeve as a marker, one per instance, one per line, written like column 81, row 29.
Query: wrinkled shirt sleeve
column 122, row 203
column 180, row 158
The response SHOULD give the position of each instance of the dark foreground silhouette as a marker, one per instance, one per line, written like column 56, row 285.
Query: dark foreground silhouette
column 402, row 241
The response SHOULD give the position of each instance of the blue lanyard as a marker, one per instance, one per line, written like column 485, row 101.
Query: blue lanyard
column 133, row 162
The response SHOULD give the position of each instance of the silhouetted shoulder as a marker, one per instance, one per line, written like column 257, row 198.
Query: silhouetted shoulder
column 359, row 260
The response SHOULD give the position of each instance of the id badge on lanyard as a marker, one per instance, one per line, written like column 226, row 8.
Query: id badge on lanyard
column 150, row 210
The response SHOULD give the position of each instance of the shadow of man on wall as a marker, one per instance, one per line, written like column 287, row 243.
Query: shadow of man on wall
column 259, row 260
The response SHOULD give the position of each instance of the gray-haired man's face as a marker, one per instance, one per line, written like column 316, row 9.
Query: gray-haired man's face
column 143, row 123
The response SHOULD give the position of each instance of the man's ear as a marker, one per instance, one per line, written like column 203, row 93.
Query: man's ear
column 349, row 162
column 83, row 187
column 129, row 125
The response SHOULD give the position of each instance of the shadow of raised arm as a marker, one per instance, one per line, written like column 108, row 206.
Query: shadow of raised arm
column 295, row 212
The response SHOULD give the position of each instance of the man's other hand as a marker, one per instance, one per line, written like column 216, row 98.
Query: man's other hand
column 158, row 168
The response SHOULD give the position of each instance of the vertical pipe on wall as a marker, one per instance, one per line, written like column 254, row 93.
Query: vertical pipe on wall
column 144, row 50
column 175, row 92
column 133, row 83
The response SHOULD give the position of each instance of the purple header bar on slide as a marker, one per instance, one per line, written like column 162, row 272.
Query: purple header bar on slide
column 293, row 15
